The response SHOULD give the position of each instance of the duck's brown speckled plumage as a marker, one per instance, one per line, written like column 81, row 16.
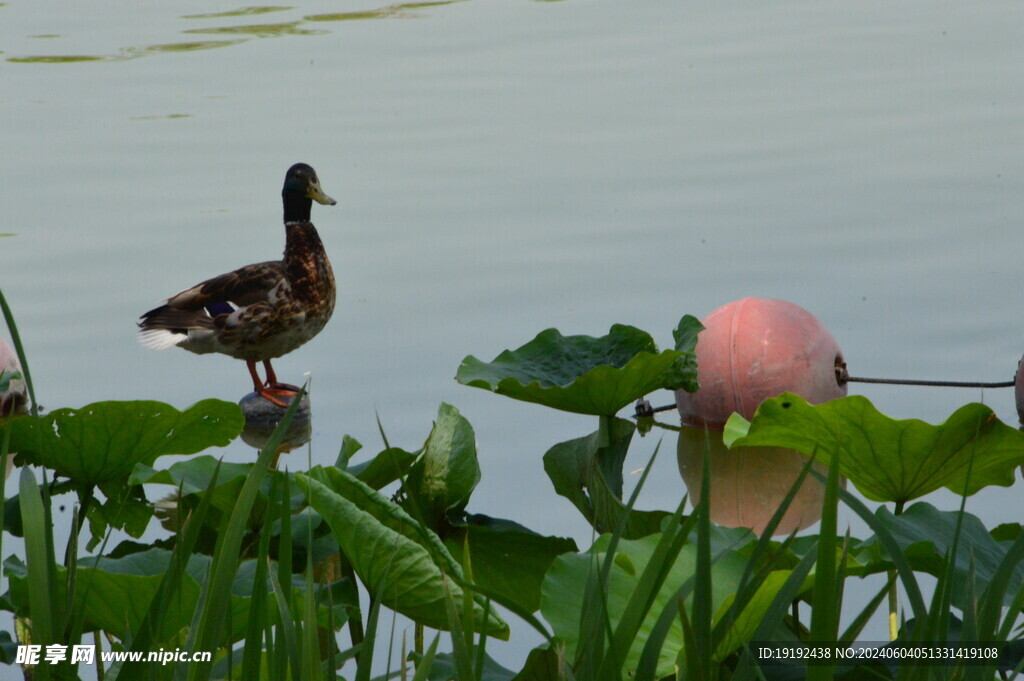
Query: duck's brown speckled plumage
column 259, row 312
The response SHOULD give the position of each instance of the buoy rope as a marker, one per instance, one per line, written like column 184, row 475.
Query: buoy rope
column 843, row 377
column 644, row 408
column 943, row 384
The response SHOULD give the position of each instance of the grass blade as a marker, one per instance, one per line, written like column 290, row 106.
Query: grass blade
column 892, row 547
column 852, row 631
column 217, row 589
column 39, row 562
column 648, row 586
column 775, row 614
column 993, row 595
column 365, row 664
column 824, row 616
column 595, row 624
column 460, row 649
column 763, row 560
column 427, row 661
column 310, row 642
column 647, row 666
column 286, row 625
column 252, row 654
column 702, row 597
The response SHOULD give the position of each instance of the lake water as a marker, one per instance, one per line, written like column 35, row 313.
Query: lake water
column 505, row 167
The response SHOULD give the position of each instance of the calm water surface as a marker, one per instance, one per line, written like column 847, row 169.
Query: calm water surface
column 506, row 167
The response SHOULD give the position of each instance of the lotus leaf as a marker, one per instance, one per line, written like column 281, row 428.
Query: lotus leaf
column 588, row 375
column 102, row 442
column 889, row 459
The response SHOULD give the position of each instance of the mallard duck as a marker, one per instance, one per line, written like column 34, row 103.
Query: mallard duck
column 259, row 312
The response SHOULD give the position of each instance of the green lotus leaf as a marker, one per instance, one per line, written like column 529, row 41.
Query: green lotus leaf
column 507, row 558
column 193, row 476
column 587, row 375
column 401, row 562
column 113, row 594
column 926, row 536
column 130, row 512
column 444, row 476
column 387, row 466
column 445, row 667
column 102, row 442
column 889, row 459
column 588, row 472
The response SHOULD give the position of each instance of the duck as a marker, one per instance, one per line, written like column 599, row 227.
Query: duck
column 259, row 312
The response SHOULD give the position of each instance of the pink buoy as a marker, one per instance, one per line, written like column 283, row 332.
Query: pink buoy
column 757, row 348
column 15, row 397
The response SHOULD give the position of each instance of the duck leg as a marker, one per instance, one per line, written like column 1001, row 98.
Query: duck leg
column 272, row 381
column 269, row 391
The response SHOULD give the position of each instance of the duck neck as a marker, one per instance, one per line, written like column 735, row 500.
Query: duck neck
column 301, row 240
column 305, row 261
column 296, row 207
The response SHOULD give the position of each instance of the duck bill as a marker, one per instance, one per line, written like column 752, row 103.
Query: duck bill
column 318, row 195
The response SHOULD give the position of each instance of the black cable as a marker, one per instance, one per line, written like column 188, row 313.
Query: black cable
column 843, row 377
column 944, row 384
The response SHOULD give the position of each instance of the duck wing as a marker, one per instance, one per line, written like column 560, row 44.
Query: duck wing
column 208, row 305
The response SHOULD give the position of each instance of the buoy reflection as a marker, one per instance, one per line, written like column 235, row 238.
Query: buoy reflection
column 748, row 484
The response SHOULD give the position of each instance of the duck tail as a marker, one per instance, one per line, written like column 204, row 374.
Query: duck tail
column 165, row 327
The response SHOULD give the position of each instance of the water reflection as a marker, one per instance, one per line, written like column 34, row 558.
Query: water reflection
column 243, row 12
column 51, row 59
column 402, row 11
column 749, row 483
column 157, row 118
column 260, row 30
column 262, row 417
column 193, row 46
column 248, row 31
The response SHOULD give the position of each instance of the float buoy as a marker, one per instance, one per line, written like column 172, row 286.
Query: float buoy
column 757, row 348
column 15, row 397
